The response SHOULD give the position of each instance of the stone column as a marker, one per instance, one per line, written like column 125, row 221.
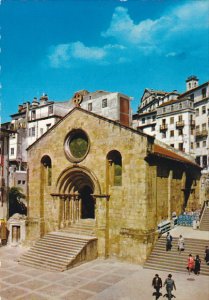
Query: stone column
column 102, row 224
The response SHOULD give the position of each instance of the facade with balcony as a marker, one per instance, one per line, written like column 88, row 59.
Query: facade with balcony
column 199, row 94
column 175, row 125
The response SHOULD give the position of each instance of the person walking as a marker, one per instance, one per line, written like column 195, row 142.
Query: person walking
column 170, row 285
column 207, row 255
column 168, row 241
column 197, row 264
column 190, row 264
column 157, row 284
column 181, row 244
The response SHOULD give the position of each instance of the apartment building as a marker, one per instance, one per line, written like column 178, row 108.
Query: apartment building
column 4, row 167
column 145, row 119
column 179, row 120
column 175, row 124
column 199, row 94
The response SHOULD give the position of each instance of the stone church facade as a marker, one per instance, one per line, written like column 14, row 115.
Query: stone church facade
column 89, row 167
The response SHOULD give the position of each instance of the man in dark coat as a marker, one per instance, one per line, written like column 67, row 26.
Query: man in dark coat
column 157, row 284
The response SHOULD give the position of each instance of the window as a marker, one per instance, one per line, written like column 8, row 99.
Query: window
column 153, row 118
column 180, row 105
column 50, row 110
column 204, row 143
column 143, row 120
column 114, row 168
column 181, row 146
column 12, row 151
column 192, row 131
column 33, row 131
column 204, row 161
column 172, row 120
column 204, row 126
column 204, row 93
column 164, row 109
column 197, row 112
column 198, row 145
column 163, row 135
column 153, row 128
column 203, row 110
column 23, row 182
column 33, row 114
column 172, row 145
column 48, row 126
column 104, row 103
column 171, row 107
column 89, row 106
column 46, row 171
column 180, row 132
column 192, row 145
column 19, row 182
column 180, row 118
column 171, row 133
column 197, row 159
column 192, row 96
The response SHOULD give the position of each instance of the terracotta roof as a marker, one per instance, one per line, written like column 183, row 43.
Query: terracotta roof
column 161, row 151
column 167, row 103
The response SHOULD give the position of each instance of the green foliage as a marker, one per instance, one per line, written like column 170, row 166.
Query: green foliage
column 15, row 203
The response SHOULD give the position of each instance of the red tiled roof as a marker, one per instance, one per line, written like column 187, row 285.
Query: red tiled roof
column 168, row 102
column 158, row 150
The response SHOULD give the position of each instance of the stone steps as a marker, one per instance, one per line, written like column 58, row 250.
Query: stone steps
column 58, row 251
column 160, row 259
column 204, row 224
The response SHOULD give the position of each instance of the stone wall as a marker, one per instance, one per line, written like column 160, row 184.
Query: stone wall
column 126, row 220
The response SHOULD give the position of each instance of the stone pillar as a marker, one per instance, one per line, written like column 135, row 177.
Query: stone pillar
column 102, row 224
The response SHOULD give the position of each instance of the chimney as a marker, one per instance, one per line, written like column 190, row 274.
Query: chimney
column 43, row 99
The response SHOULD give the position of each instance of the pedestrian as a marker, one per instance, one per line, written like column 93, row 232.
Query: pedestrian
column 168, row 241
column 180, row 244
column 207, row 255
column 190, row 264
column 197, row 263
column 170, row 285
column 157, row 284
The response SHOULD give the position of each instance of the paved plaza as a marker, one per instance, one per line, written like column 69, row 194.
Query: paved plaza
column 95, row 280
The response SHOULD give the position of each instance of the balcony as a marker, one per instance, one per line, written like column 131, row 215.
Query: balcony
column 201, row 134
column 163, row 127
column 192, row 123
column 179, row 124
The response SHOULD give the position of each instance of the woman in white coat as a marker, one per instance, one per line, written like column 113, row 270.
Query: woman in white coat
column 181, row 244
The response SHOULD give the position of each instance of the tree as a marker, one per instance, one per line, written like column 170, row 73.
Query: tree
column 15, row 203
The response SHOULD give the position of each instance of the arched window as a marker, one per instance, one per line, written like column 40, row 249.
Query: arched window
column 114, row 168
column 47, row 169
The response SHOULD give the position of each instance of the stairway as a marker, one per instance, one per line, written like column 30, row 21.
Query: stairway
column 204, row 224
column 172, row 261
column 83, row 227
column 61, row 250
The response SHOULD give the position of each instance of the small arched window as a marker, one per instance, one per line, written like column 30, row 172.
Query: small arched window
column 47, row 169
column 114, row 168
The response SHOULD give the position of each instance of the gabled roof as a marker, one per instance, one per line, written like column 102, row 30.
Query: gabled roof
column 94, row 115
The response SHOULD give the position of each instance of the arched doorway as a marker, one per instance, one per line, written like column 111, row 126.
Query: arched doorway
column 88, row 204
column 75, row 187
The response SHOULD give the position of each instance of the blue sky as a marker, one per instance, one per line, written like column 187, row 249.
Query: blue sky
column 61, row 46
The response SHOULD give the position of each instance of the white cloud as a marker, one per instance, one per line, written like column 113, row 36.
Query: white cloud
column 149, row 34
column 63, row 55
column 59, row 55
column 79, row 50
column 178, row 32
